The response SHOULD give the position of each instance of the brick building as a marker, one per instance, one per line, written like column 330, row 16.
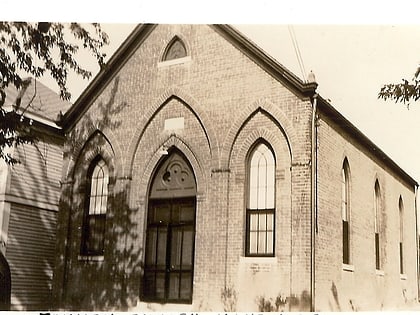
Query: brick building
column 200, row 174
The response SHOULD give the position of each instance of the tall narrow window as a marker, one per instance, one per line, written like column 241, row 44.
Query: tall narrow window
column 345, row 211
column 96, row 206
column 401, row 247
column 260, row 219
column 377, row 223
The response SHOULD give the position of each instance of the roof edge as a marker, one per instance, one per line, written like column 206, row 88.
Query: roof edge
column 264, row 60
column 120, row 56
column 360, row 137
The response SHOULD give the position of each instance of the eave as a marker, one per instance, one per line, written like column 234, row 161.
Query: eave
column 325, row 107
column 118, row 59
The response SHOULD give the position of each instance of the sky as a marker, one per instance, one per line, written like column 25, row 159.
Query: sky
column 353, row 48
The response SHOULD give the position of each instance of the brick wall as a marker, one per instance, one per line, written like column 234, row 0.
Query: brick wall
column 359, row 286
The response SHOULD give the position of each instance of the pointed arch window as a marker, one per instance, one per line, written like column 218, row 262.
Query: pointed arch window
column 401, row 236
column 345, row 211
column 176, row 49
column 260, row 220
column 377, row 225
column 96, row 207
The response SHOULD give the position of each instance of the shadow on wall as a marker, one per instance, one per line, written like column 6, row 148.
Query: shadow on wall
column 280, row 303
column 112, row 284
column 86, row 283
column 336, row 306
column 283, row 303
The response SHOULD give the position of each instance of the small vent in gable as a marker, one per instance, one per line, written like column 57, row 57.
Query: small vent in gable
column 176, row 49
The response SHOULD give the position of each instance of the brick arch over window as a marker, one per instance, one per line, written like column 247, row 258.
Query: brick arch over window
column 191, row 104
column 278, row 144
column 96, row 145
column 269, row 109
column 99, row 137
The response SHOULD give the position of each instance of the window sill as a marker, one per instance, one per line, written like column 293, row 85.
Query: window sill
column 173, row 62
column 347, row 267
column 403, row 276
column 258, row 260
column 90, row 258
column 380, row 273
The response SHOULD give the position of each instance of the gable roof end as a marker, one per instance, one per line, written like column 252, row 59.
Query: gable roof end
column 140, row 33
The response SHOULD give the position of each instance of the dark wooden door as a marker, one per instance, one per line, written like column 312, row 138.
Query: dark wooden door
column 169, row 263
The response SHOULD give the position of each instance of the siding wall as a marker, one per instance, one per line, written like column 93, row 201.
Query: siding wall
column 31, row 253
column 37, row 177
column 32, row 197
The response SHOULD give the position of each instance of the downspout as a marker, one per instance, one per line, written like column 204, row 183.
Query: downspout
column 417, row 242
column 314, row 230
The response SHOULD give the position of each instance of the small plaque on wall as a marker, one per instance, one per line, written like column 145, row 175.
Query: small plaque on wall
column 174, row 123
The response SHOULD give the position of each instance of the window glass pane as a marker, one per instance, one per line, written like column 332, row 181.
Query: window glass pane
column 253, row 198
column 160, row 285
column 187, row 213
column 161, row 252
column 270, row 185
column 377, row 208
column 149, row 287
column 176, row 50
column 176, row 248
column 270, row 197
column 162, row 214
column 270, row 242
column 262, row 185
column 262, row 222
column 253, row 217
column 253, row 242
column 151, row 247
column 186, row 288
column 253, row 187
column 174, row 286
column 104, row 200
column 270, row 222
column 261, row 242
column 346, row 247
column 343, row 195
column 187, row 250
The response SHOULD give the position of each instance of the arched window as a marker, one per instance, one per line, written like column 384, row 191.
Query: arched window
column 401, row 217
column 345, row 211
column 260, row 220
column 96, row 206
column 377, row 224
column 176, row 49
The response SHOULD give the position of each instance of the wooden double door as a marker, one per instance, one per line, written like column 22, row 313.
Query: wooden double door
column 169, row 257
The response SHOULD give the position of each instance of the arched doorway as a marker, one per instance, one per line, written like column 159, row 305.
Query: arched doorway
column 170, row 235
column 5, row 284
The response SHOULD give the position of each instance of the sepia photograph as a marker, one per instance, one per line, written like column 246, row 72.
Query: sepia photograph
column 263, row 159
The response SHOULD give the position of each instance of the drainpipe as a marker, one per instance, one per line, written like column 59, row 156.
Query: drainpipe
column 417, row 242
column 314, row 229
